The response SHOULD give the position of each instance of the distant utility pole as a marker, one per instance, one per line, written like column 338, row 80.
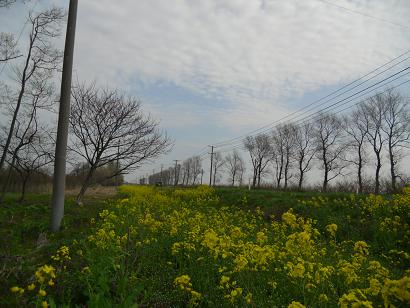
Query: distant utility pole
column 202, row 175
column 57, row 205
column 162, row 166
column 212, row 158
column 176, row 164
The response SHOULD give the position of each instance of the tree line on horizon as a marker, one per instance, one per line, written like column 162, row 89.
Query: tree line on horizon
column 376, row 130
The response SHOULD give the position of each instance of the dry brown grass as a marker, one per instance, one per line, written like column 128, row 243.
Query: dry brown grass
column 95, row 191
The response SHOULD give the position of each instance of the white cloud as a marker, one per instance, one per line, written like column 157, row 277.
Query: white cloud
column 251, row 53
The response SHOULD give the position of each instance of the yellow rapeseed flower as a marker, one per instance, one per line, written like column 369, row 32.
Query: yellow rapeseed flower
column 295, row 304
column 332, row 228
column 31, row 287
column 323, row 298
column 41, row 292
column 361, row 248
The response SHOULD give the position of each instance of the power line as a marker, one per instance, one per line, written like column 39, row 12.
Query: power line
column 338, row 102
column 335, row 105
column 321, row 99
column 365, row 14
column 316, row 114
column 237, row 144
column 327, row 101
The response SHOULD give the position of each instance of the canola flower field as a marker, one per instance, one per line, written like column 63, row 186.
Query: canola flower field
column 157, row 247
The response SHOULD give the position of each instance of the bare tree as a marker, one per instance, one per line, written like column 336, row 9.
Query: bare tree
column 241, row 171
column 260, row 151
column 397, row 129
column 40, row 58
column 356, row 129
column 185, row 171
column 305, row 150
column 6, row 3
column 278, row 159
column 33, row 158
column 328, row 135
column 196, row 167
column 234, row 164
column 218, row 162
column 283, row 146
column 26, row 133
column 8, row 47
column 107, row 127
column 373, row 110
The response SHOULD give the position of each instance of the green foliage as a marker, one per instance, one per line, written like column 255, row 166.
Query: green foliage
column 223, row 248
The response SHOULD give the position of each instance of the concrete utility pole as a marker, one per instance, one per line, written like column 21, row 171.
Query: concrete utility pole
column 212, row 158
column 57, row 205
column 176, row 165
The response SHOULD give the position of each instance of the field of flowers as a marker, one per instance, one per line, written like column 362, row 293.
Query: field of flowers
column 161, row 248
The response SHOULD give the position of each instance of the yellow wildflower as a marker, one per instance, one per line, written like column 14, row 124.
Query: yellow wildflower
column 41, row 292
column 290, row 219
column 295, row 304
column 323, row 298
column 248, row 298
column 31, row 287
column 17, row 290
column 332, row 228
column 361, row 248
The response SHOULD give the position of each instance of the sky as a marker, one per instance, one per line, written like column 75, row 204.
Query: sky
column 213, row 70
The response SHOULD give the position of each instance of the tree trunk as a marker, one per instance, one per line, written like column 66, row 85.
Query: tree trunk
column 183, row 179
column 326, row 168
column 85, row 186
column 359, row 177
column 359, row 173
column 187, row 177
column 255, row 173
column 7, row 181
column 259, row 175
column 300, row 176
column 325, row 179
column 16, row 111
column 392, row 168
column 286, row 173
column 378, row 167
column 23, row 188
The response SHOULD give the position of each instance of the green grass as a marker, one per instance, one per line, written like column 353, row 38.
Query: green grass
column 149, row 271
column 271, row 202
column 275, row 203
column 23, row 223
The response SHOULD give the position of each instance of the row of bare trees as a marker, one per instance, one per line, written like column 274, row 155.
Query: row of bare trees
column 190, row 171
column 377, row 128
column 107, row 127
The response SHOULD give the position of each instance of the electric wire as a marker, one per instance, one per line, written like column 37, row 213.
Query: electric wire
column 333, row 104
column 323, row 98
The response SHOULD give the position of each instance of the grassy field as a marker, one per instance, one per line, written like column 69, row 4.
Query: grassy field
column 153, row 247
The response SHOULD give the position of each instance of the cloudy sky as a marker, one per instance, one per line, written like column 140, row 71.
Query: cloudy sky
column 213, row 70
